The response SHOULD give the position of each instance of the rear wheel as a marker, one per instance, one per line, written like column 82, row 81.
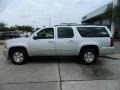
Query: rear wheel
column 18, row 56
column 88, row 56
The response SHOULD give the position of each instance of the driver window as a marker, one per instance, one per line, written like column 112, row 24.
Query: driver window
column 47, row 33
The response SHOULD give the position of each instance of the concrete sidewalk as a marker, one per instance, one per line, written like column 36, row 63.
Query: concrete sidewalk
column 114, row 56
column 63, row 73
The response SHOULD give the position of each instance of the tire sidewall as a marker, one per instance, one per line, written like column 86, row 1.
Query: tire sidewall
column 24, row 54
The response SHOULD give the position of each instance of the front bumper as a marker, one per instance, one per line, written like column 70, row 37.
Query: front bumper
column 106, row 51
column 5, row 52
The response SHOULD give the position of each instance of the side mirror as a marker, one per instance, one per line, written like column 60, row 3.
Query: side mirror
column 35, row 37
column 26, row 36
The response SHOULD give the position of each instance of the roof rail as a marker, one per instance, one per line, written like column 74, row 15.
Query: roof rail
column 69, row 24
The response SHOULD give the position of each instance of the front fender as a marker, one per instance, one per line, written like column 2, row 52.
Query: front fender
column 20, row 42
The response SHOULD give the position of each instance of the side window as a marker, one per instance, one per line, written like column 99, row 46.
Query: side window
column 65, row 32
column 93, row 31
column 47, row 33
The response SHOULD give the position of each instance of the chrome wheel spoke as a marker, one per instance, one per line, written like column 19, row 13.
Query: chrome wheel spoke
column 18, row 57
column 89, row 57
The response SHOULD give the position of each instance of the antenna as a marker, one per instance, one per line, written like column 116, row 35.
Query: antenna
column 49, row 21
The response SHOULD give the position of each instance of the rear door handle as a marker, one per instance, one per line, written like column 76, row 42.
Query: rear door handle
column 71, row 41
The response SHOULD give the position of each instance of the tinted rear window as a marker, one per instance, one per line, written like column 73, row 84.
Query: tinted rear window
column 93, row 32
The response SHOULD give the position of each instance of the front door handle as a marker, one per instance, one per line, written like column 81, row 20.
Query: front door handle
column 50, row 42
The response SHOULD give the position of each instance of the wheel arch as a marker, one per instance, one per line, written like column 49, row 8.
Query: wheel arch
column 17, row 47
column 94, row 47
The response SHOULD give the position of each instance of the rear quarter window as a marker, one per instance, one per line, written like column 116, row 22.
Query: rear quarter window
column 93, row 31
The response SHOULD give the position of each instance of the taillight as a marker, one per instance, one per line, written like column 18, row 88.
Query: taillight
column 112, row 42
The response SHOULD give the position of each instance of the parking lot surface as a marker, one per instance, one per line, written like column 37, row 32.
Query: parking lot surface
column 59, row 73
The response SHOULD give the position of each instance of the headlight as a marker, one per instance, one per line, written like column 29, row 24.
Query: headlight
column 5, row 45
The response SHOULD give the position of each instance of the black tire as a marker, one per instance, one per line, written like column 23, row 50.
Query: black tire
column 23, row 52
column 87, row 61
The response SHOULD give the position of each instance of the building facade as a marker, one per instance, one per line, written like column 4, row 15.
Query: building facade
column 98, row 16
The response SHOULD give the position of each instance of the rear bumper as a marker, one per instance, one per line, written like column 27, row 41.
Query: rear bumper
column 106, row 51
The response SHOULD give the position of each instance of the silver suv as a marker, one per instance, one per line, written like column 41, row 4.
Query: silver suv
column 87, row 42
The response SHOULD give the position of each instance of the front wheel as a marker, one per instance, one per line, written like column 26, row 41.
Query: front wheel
column 18, row 56
column 88, row 56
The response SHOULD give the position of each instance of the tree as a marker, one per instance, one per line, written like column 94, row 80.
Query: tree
column 3, row 27
column 24, row 28
column 114, row 15
column 13, row 28
column 108, row 13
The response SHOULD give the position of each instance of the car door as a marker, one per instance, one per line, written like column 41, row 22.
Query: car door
column 43, row 43
column 65, row 41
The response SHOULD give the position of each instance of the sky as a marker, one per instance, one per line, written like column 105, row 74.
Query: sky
column 39, row 12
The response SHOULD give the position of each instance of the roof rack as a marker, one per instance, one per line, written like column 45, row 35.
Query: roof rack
column 69, row 24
